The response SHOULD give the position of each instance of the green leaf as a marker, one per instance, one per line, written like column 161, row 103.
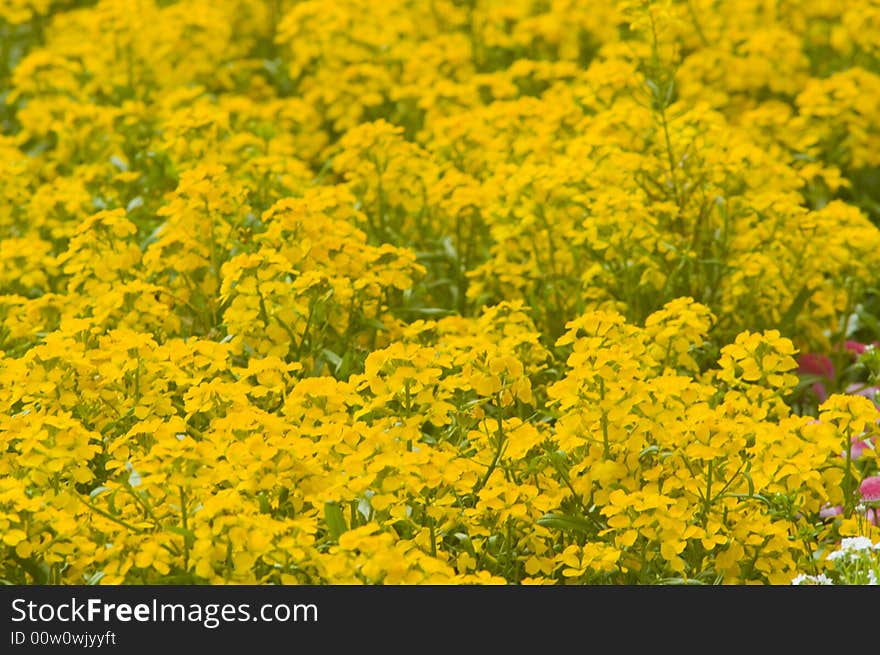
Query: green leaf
column 344, row 369
column 808, row 380
column 335, row 519
column 747, row 474
column 566, row 522
column 189, row 535
column 429, row 311
column 375, row 324
column 265, row 507
column 332, row 358
column 682, row 581
column 796, row 306
column 111, row 503
column 38, row 571
column 97, row 491
column 94, row 578
column 870, row 322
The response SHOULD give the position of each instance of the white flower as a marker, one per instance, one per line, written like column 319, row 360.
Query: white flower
column 852, row 545
column 857, row 543
column 817, row 580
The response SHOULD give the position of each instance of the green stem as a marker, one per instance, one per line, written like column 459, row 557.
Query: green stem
column 707, row 500
column 185, row 529
column 433, row 534
column 604, row 421
column 848, row 480
column 109, row 516
column 499, row 447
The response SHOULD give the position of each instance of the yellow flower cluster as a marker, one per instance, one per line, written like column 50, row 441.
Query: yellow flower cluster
column 410, row 292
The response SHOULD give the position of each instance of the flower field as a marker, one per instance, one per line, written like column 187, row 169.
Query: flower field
column 439, row 292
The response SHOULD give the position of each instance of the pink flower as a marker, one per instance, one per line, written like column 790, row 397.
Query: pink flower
column 831, row 510
column 857, row 347
column 860, row 446
column 816, row 364
column 870, row 488
column 871, row 393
